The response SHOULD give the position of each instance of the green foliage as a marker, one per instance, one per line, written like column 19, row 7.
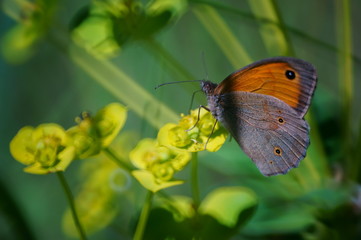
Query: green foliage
column 127, row 47
column 35, row 19
column 220, row 215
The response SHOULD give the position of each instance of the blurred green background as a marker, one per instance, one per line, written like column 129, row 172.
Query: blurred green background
column 49, row 74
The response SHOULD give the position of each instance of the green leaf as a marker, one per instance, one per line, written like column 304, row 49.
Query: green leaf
column 279, row 218
column 220, row 216
column 227, row 204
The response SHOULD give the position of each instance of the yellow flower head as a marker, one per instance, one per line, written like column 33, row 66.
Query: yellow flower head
column 194, row 136
column 94, row 133
column 157, row 164
column 45, row 148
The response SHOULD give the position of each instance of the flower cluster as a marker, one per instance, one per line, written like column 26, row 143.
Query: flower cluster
column 157, row 164
column 195, row 132
column 109, row 25
column 49, row 148
column 159, row 159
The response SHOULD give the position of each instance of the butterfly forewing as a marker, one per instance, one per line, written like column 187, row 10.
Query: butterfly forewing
column 289, row 79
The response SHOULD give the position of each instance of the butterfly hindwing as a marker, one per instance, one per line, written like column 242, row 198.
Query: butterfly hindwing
column 269, row 131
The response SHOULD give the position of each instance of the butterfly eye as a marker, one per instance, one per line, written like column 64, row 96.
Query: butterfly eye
column 290, row 74
column 277, row 151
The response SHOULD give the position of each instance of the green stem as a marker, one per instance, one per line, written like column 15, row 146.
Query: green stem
column 172, row 64
column 114, row 157
column 194, row 181
column 282, row 26
column 13, row 216
column 346, row 80
column 230, row 9
column 139, row 232
column 222, row 35
column 70, row 199
column 116, row 82
column 127, row 167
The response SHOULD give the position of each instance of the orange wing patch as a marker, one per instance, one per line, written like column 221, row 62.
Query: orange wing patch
column 275, row 79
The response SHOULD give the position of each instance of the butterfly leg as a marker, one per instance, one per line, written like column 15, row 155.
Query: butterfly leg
column 210, row 135
column 192, row 99
column 198, row 116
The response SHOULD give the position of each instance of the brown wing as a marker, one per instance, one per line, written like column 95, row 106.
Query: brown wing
column 268, row 130
column 289, row 79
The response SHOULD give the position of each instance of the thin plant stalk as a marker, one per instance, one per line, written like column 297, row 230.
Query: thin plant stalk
column 70, row 199
column 194, row 180
column 273, row 35
column 142, row 223
column 171, row 64
column 115, row 158
column 222, row 34
column 343, row 19
column 116, row 82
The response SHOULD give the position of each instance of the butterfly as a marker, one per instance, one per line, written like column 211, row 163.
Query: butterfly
column 263, row 106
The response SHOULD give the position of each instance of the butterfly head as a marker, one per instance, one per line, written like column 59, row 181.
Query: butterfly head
column 208, row 87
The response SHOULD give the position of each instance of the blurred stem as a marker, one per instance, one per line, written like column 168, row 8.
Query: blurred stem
column 358, row 154
column 139, row 232
column 230, row 9
column 12, row 216
column 175, row 68
column 116, row 82
column 70, row 199
column 316, row 159
column 127, row 167
column 274, row 35
column 343, row 12
column 173, row 64
column 222, row 34
column 283, row 27
column 115, row 158
column 194, row 181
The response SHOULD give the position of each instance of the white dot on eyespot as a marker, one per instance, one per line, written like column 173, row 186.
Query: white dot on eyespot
column 119, row 180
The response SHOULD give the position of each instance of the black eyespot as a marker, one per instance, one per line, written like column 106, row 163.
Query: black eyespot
column 290, row 74
column 280, row 120
column 277, row 151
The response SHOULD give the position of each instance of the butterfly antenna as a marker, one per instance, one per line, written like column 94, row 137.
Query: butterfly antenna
column 167, row 83
column 204, row 64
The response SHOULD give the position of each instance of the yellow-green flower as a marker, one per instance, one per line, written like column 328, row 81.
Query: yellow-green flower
column 34, row 20
column 157, row 164
column 107, row 25
column 45, row 149
column 94, row 133
column 194, row 136
column 97, row 201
